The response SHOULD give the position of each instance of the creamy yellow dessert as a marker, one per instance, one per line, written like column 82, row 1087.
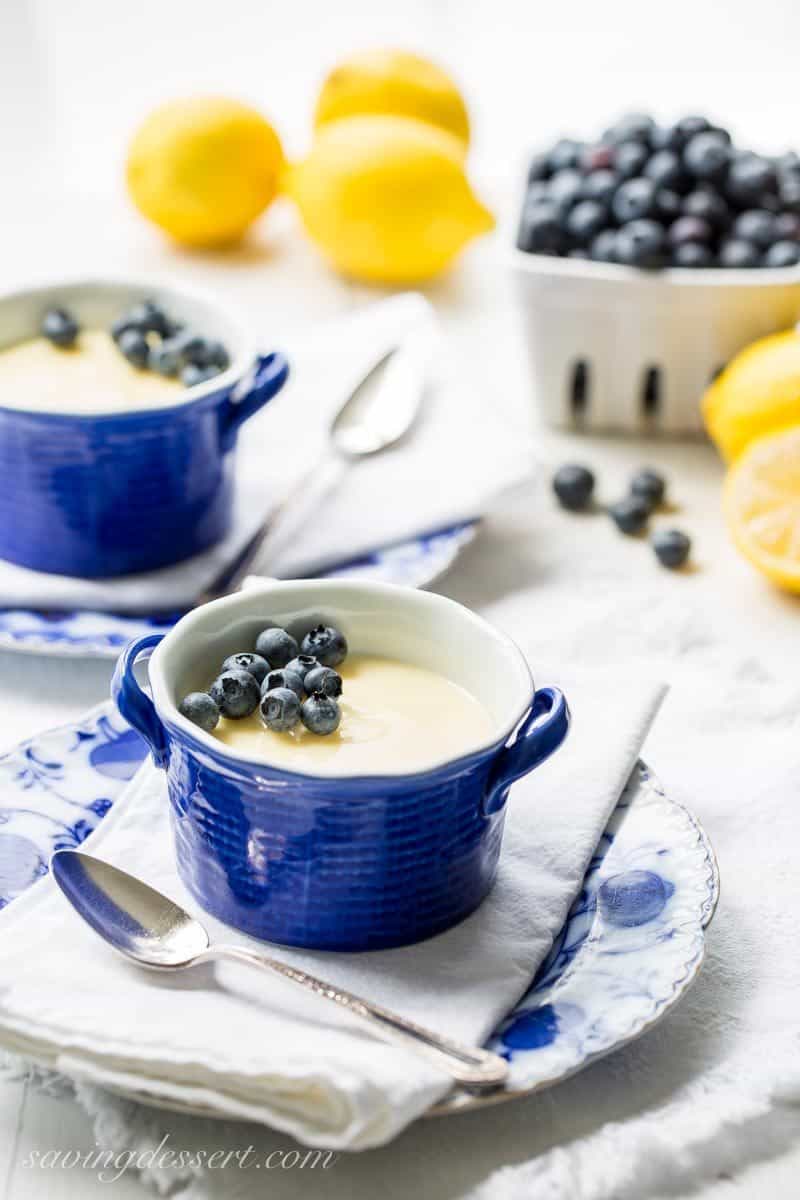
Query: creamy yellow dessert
column 395, row 717
column 91, row 377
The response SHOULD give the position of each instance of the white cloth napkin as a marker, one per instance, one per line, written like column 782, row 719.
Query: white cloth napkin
column 455, row 460
column 252, row 1047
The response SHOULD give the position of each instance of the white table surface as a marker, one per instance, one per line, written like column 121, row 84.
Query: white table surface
column 76, row 86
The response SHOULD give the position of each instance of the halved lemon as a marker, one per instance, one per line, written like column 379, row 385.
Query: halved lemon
column 761, row 501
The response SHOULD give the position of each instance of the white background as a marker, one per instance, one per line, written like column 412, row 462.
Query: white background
column 75, row 77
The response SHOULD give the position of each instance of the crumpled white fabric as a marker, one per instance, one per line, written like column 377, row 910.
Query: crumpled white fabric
column 457, row 437
column 251, row 1047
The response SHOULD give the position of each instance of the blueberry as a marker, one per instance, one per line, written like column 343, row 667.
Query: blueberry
column 539, row 168
column 565, row 153
column 734, row 252
column 629, row 159
column 585, row 221
column 216, row 355
column 667, row 137
column 788, row 163
column 320, row 714
column 236, row 693
column 650, row 486
column 283, row 677
column 601, row 185
column 709, row 206
column 325, row 680
column 597, row 158
column 535, row 194
column 790, row 194
column 641, row 244
column 192, row 375
column 573, row 485
column 787, row 227
column 578, row 252
column 326, row 644
column 604, row 246
column 756, row 226
column 165, row 358
column 630, row 515
column 782, row 254
column 201, row 709
column 280, row 709
column 133, row 345
column 707, row 156
column 59, row 327
column 688, row 127
column 245, row 661
column 667, row 205
column 565, row 187
column 689, row 229
column 665, row 169
column 633, row 127
column 276, row 645
column 692, row 255
column 634, row 200
column 149, row 317
column 749, row 180
column 540, row 230
column 671, row 546
column 302, row 664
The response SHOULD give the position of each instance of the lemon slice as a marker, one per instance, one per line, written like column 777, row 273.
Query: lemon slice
column 761, row 500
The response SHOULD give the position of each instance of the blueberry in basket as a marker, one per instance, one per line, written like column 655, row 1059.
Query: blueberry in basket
column 648, row 195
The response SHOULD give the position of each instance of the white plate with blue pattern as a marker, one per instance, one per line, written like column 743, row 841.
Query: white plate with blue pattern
column 416, row 563
column 631, row 945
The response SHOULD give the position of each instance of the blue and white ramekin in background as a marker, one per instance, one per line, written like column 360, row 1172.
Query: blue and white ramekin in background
column 113, row 493
column 340, row 862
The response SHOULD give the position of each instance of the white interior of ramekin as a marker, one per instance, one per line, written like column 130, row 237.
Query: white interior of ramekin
column 96, row 304
column 414, row 627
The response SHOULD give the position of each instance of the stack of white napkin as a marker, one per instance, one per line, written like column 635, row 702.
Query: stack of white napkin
column 248, row 1046
column 456, row 459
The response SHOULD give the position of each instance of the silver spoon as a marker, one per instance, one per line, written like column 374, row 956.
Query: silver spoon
column 154, row 932
column 376, row 414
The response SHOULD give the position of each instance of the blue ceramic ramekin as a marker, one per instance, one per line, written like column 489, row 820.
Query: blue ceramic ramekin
column 340, row 862
column 108, row 493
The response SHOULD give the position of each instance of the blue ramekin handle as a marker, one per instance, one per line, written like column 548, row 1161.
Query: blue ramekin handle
column 269, row 375
column 541, row 732
column 135, row 705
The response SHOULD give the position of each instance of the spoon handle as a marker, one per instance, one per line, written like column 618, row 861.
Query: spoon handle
column 475, row 1069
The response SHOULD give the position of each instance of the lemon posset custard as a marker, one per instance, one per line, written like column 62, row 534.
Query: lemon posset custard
column 394, row 717
column 90, row 377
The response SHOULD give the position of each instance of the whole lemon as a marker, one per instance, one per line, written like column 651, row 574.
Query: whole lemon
column 386, row 198
column 757, row 393
column 395, row 83
column 203, row 168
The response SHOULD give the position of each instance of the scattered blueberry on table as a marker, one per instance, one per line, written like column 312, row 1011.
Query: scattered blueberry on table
column 574, row 486
column 285, row 686
column 671, row 547
column 651, row 196
column 60, row 328
column 630, row 515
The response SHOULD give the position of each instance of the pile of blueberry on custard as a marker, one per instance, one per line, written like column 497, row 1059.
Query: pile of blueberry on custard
column 151, row 341
column 651, row 196
column 288, row 683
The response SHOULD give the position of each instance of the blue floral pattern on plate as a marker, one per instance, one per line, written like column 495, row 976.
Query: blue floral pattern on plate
column 631, row 944
column 416, row 563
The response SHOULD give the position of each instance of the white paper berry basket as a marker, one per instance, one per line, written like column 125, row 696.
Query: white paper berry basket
column 614, row 348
